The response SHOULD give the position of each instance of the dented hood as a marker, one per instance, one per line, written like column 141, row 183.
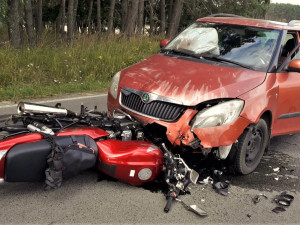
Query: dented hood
column 188, row 81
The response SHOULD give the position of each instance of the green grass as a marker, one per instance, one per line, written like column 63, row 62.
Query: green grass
column 54, row 68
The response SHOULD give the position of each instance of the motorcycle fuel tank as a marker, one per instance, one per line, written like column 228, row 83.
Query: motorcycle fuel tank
column 133, row 162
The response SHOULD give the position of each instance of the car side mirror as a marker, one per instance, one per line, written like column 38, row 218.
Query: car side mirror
column 163, row 43
column 294, row 66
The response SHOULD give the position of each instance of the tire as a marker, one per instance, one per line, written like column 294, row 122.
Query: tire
column 251, row 147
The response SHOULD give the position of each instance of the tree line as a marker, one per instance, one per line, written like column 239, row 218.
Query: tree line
column 283, row 12
column 27, row 19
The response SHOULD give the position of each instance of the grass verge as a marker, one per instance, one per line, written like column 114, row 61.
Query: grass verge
column 87, row 65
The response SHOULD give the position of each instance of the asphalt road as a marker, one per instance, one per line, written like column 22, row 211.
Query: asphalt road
column 83, row 199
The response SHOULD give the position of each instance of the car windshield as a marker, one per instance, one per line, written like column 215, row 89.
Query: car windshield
column 249, row 47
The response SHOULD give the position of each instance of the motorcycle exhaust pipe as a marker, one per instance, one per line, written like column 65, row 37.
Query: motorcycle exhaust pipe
column 25, row 107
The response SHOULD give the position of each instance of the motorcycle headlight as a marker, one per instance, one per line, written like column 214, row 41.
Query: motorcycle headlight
column 218, row 115
column 115, row 85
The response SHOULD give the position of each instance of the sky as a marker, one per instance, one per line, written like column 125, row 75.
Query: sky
column 293, row 2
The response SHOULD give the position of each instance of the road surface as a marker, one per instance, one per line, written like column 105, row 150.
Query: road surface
column 83, row 199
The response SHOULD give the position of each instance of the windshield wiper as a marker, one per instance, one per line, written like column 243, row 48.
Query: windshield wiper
column 218, row 59
column 178, row 52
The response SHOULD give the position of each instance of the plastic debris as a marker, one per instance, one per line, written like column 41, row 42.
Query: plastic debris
column 207, row 180
column 278, row 210
column 257, row 198
column 284, row 199
column 276, row 169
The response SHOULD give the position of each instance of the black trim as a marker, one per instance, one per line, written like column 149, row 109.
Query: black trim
column 289, row 115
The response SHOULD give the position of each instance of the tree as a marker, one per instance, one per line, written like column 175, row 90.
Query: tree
column 39, row 19
column 29, row 22
column 13, row 23
column 124, row 11
column 162, row 16
column 132, row 14
column 151, row 20
column 70, row 20
column 90, row 17
column 176, row 15
column 61, row 17
column 98, row 18
column 169, row 14
column 75, row 30
column 140, row 20
column 111, row 16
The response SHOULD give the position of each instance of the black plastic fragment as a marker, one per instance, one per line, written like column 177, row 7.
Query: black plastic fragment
column 220, row 184
column 278, row 210
column 284, row 199
column 257, row 198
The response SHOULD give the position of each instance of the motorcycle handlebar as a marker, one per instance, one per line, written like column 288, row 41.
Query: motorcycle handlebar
column 168, row 205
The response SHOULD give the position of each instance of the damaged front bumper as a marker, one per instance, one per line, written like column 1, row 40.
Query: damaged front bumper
column 179, row 133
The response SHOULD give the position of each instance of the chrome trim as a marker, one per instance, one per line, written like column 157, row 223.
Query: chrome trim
column 121, row 111
column 2, row 153
column 25, row 107
column 152, row 96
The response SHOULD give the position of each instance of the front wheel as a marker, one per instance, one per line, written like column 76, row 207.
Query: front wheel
column 251, row 147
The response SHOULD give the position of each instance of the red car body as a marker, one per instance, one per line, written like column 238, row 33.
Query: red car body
column 271, row 94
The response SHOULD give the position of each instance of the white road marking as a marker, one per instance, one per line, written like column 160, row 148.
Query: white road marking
column 58, row 100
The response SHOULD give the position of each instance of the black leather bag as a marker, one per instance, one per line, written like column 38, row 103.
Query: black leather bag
column 77, row 158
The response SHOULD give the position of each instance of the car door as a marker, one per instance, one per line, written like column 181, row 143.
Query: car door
column 287, row 116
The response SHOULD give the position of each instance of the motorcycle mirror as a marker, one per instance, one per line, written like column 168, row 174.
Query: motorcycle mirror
column 194, row 176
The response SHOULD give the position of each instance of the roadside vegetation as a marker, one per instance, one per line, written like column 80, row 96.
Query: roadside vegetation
column 52, row 68
column 66, row 46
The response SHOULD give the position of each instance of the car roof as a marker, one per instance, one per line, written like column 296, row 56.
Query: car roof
column 252, row 22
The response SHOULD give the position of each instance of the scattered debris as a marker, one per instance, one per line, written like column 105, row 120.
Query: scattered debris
column 248, row 215
column 257, row 198
column 276, row 169
column 278, row 210
column 276, row 178
column 207, row 180
column 220, row 184
column 192, row 208
column 284, row 199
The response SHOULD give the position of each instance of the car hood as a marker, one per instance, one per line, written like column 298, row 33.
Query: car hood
column 188, row 81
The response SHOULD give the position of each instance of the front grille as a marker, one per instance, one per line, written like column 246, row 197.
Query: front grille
column 157, row 109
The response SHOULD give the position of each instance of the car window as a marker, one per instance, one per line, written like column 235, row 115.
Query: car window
column 287, row 53
column 251, row 46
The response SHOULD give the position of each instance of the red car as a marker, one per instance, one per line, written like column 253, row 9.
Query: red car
column 224, row 85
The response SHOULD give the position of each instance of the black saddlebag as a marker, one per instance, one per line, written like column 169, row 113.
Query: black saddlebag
column 28, row 162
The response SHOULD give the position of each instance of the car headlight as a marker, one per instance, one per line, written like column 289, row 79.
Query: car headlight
column 218, row 115
column 115, row 85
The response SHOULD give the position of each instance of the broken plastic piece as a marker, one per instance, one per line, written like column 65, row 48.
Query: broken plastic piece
column 276, row 169
column 207, row 180
column 193, row 208
column 284, row 199
column 221, row 187
column 257, row 198
column 278, row 209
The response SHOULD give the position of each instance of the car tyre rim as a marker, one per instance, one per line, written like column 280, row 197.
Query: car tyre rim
column 253, row 147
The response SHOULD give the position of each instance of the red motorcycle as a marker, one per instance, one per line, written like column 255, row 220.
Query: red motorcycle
column 50, row 144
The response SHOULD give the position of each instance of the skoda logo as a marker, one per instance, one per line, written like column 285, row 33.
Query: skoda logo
column 145, row 98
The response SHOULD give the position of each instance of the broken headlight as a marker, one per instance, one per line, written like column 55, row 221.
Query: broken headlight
column 115, row 85
column 218, row 115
